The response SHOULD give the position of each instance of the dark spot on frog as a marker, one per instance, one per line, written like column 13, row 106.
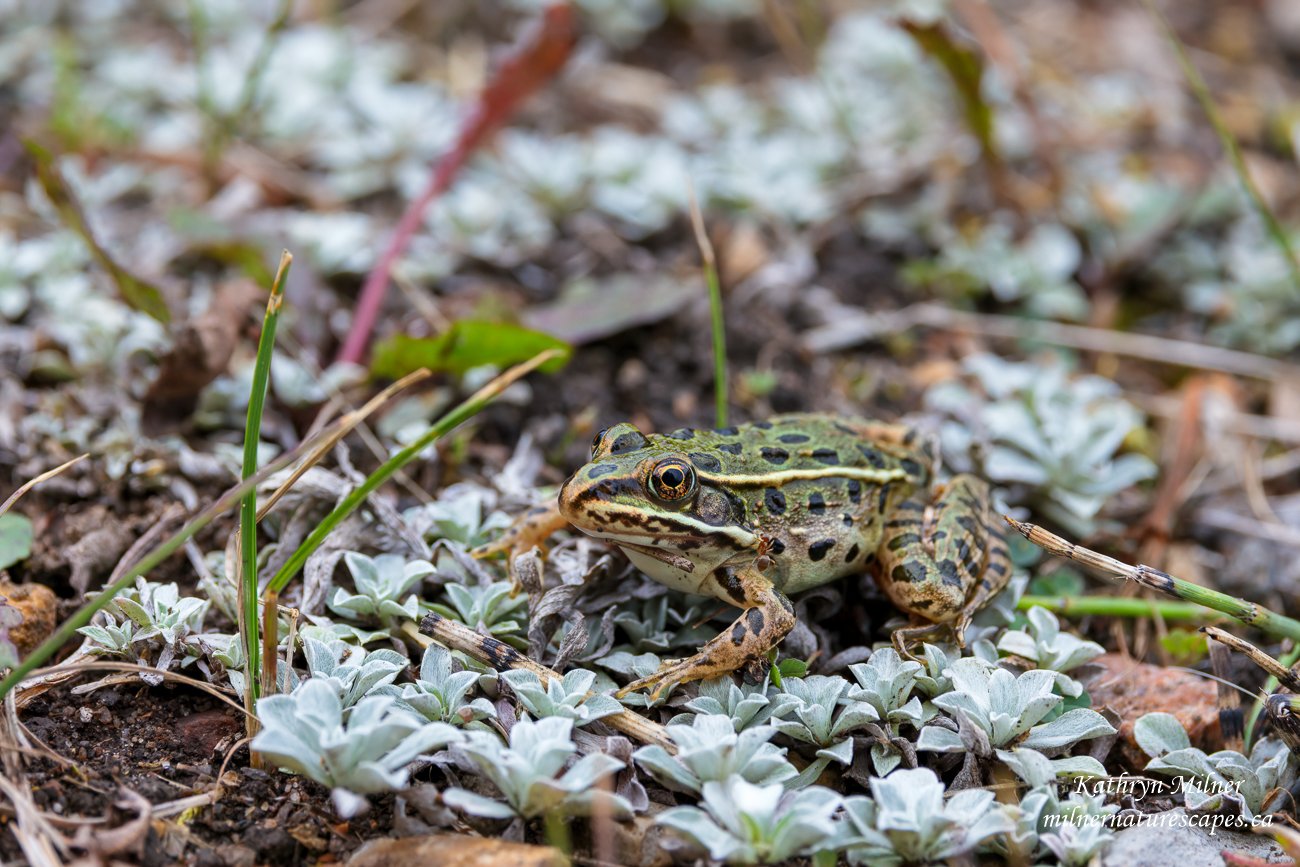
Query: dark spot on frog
column 873, row 457
column 882, row 501
column 774, row 500
column 726, row 431
column 793, row 439
column 923, row 604
column 763, row 425
column 830, row 457
column 774, row 456
column 708, row 463
column 909, row 572
column 786, row 604
column 948, row 571
column 816, row 504
column 730, row 448
column 755, row 618
column 852, row 555
column 776, row 546
column 607, row 489
column 601, row 469
column 737, row 505
column 818, row 550
column 845, row 429
column 728, row 581
column 911, row 467
column 682, row 433
column 738, row 634
column 847, row 519
column 909, row 437
column 628, row 442
column 855, row 491
column 903, row 540
column 998, row 568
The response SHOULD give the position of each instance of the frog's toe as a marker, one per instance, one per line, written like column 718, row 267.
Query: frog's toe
column 670, row 673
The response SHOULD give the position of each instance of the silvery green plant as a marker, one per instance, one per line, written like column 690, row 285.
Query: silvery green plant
column 380, row 583
column 655, row 625
column 746, row 705
column 739, row 822
column 439, row 694
column 908, row 821
column 570, row 697
column 1036, row 271
column 1221, row 778
column 463, row 512
column 489, row 607
column 1000, row 710
column 936, row 659
column 531, row 774
column 885, row 682
column 824, row 715
column 370, row 752
column 1050, row 439
column 1043, row 820
column 151, row 624
column 352, row 671
column 710, row 750
column 1045, row 645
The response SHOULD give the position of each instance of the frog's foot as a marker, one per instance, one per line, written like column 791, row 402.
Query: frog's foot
column 530, row 530
column 756, row 631
column 908, row 639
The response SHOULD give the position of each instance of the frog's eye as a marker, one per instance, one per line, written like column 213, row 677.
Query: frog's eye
column 672, row 479
column 595, row 443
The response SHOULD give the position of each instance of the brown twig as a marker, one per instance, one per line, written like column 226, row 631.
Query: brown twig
column 503, row 657
column 851, row 330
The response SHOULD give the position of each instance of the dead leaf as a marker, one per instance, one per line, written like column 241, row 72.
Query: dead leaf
column 201, row 351
column 458, row 849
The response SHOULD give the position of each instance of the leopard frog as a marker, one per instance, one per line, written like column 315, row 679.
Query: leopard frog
column 751, row 513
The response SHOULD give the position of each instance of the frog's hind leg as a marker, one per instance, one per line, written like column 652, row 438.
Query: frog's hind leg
column 943, row 559
column 767, row 617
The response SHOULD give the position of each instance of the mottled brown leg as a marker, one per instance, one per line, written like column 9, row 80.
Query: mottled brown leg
column 941, row 560
column 759, row 628
column 532, row 529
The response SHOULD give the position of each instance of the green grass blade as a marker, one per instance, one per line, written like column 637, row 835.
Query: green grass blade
column 1230, row 145
column 1117, row 606
column 461, row 413
column 248, row 509
column 710, row 264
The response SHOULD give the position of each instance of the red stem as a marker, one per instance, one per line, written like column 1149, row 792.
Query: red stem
column 540, row 56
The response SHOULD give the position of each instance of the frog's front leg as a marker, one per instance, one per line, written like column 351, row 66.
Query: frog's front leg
column 942, row 559
column 767, row 617
column 531, row 529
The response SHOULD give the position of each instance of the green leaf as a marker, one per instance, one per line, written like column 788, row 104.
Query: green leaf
column 15, row 539
column 793, row 667
column 139, row 294
column 965, row 69
column 466, row 344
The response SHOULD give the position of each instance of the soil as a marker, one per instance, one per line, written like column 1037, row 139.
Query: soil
column 167, row 744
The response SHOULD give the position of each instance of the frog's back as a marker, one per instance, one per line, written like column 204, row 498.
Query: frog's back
column 817, row 488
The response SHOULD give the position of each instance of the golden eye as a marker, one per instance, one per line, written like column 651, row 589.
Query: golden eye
column 595, row 443
column 672, row 479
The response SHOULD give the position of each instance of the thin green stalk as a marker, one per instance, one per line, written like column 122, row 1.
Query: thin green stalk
column 463, row 412
column 82, row 615
column 227, row 501
column 710, row 264
column 253, row 81
column 1113, row 606
column 1230, row 145
column 248, row 509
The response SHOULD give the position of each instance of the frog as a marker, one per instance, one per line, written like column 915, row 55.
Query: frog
column 754, row 513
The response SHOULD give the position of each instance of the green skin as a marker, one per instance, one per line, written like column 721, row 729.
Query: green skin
column 751, row 513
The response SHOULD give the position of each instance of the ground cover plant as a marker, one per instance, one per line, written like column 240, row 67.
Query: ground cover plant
column 306, row 309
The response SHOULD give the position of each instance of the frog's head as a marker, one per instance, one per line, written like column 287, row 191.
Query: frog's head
column 656, row 501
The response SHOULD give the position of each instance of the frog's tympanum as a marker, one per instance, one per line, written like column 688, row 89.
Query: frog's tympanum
column 752, row 513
